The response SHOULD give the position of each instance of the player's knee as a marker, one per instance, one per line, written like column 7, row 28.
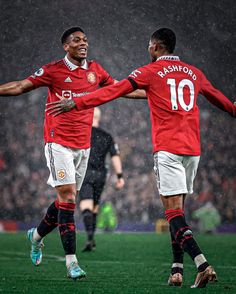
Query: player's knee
column 86, row 204
column 66, row 194
column 171, row 214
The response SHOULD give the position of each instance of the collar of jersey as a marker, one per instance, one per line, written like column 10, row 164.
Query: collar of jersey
column 72, row 66
column 168, row 57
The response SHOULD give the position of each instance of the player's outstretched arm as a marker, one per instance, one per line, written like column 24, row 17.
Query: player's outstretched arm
column 217, row 98
column 91, row 100
column 16, row 88
column 137, row 94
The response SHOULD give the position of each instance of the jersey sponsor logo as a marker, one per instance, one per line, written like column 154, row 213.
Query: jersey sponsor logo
column 135, row 73
column 68, row 80
column 39, row 72
column 68, row 94
column 91, row 77
column 61, row 174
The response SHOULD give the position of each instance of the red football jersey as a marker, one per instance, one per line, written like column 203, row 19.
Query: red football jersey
column 172, row 88
column 72, row 129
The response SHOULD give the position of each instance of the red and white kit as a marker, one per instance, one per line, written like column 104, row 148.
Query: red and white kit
column 172, row 89
column 71, row 129
column 67, row 136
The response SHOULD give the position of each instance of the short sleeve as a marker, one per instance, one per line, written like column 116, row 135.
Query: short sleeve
column 41, row 77
column 139, row 78
column 215, row 97
column 114, row 148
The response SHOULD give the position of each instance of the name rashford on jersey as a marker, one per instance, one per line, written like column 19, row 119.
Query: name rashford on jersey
column 71, row 129
column 172, row 88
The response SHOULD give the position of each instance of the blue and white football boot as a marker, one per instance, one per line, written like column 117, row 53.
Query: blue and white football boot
column 75, row 272
column 36, row 248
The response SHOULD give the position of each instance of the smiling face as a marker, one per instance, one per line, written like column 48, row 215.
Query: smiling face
column 76, row 47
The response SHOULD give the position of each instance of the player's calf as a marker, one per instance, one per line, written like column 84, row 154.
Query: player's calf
column 184, row 237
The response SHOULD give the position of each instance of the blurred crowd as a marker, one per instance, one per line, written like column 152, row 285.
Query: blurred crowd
column 25, row 194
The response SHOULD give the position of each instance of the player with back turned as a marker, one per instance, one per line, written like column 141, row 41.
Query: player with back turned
column 102, row 144
column 172, row 88
column 67, row 139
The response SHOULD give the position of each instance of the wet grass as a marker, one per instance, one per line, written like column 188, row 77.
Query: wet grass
column 123, row 263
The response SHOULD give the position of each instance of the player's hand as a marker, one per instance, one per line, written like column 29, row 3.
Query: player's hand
column 58, row 107
column 120, row 183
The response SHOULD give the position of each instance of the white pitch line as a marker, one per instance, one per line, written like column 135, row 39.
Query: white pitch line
column 19, row 256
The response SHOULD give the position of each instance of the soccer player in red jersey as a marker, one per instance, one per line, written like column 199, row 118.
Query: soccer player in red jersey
column 172, row 87
column 67, row 139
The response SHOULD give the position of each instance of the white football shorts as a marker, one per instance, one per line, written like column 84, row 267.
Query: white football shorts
column 66, row 165
column 175, row 173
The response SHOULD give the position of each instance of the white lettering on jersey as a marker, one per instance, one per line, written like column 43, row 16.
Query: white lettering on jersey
column 165, row 70
column 135, row 73
column 177, row 94
column 79, row 94
column 160, row 73
column 68, row 94
column 170, row 68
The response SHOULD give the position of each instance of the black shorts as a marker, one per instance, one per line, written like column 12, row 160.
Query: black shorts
column 93, row 185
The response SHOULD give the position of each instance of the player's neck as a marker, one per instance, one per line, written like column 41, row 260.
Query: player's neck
column 77, row 62
column 164, row 53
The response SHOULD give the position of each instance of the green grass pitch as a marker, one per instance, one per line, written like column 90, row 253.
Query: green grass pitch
column 123, row 263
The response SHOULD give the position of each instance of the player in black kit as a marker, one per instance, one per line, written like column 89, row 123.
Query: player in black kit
column 102, row 143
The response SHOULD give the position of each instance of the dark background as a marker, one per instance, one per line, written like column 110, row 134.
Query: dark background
column 118, row 33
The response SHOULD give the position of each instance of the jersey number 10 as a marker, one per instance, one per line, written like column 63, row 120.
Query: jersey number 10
column 177, row 94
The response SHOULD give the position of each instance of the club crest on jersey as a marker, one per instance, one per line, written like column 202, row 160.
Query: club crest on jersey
column 66, row 94
column 61, row 174
column 39, row 72
column 91, row 77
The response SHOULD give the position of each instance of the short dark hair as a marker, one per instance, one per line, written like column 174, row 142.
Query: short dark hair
column 68, row 32
column 166, row 37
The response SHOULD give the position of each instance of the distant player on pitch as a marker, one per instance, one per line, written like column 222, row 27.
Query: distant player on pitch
column 102, row 144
